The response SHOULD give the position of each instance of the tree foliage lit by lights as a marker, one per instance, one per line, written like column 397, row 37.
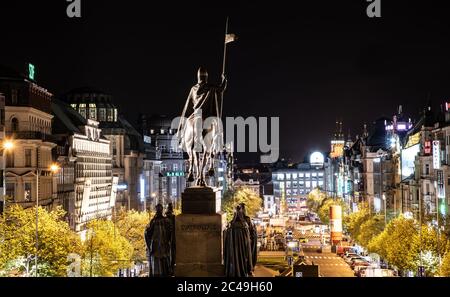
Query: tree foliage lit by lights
column 320, row 203
column 235, row 196
column 396, row 243
column 445, row 267
column 17, row 242
column 132, row 225
column 105, row 250
column 432, row 247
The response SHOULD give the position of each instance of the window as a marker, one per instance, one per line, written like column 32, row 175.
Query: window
column 288, row 192
column 308, row 184
column 280, row 176
column 175, row 167
column 320, row 183
column 288, row 176
column 102, row 114
column 82, row 110
column 294, row 184
column 314, row 184
column 14, row 125
column 92, row 111
column 10, row 189
column 427, row 169
column 27, row 191
column 174, row 192
column 115, row 114
column 320, row 173
column 74, row 106
column 301, row 183
column 294, row 175
column 314, row 174
column 14, row 96
column 174, row 181
column 307, row 174
column 110, row 115
column 28, row 158
column 301, row 175
column 288, row 184
column 10, row 159
column 163, row 167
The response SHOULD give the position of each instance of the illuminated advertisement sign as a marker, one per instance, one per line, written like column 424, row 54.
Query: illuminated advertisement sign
column 413, row 140
column 427, row 149
column 174, row 173
column 408, row 158
column 337, row 149
column 436, row 154
column 142, row 188
column 122, row 187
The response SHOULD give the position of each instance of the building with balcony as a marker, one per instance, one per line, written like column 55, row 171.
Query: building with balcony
column 126, row 143
column 28, row 121
column 85, row 183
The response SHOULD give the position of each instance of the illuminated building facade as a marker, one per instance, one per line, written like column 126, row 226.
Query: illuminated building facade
column 126, row 143
column 296, row 181
column 2, row 154
column 85, row 182
column 27, row 120
column 166, row 159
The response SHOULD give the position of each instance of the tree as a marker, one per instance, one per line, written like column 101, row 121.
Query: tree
column 445, row 267
column 315, row 199
column 132, row 225
column 370, row 228
column 105, row 250
column 431, row 246
column 324, row 208
column 235, row 196
column 356, row 219
column 395, row 243
column 17, row 241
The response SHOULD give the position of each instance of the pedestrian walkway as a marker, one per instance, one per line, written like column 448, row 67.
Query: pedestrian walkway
column 262, row 271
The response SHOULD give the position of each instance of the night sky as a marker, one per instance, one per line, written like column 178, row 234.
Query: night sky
column 307, row 64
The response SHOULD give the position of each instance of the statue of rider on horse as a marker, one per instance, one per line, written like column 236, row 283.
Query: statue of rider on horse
column 200, row 131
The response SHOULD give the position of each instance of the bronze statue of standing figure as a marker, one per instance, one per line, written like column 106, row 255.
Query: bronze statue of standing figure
column 253, row 236
column 237, row 247
column 171, row 217
column 158, row 239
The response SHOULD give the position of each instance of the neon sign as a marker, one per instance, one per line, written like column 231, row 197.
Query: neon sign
column 31, row 71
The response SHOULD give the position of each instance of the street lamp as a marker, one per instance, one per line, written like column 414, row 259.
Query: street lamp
column 153, row 195
column 7, row 146
column 53, row 168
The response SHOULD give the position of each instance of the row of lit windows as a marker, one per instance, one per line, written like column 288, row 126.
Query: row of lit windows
column 91, row 111
column 288, row 176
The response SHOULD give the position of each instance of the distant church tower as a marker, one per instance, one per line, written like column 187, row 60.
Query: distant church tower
column 338, row 142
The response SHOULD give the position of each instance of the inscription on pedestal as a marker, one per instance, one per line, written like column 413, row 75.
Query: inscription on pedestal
column 201, row 228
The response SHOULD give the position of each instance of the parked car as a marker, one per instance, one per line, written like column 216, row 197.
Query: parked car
column 360, row 271
column 378, row 272
column 358, row 262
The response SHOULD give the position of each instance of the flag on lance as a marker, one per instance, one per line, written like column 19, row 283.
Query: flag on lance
column 229, row 37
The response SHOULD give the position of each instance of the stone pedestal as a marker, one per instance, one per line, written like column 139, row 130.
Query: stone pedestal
column 199, row 234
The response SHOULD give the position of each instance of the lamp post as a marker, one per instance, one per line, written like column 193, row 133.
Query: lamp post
column 53, row 169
